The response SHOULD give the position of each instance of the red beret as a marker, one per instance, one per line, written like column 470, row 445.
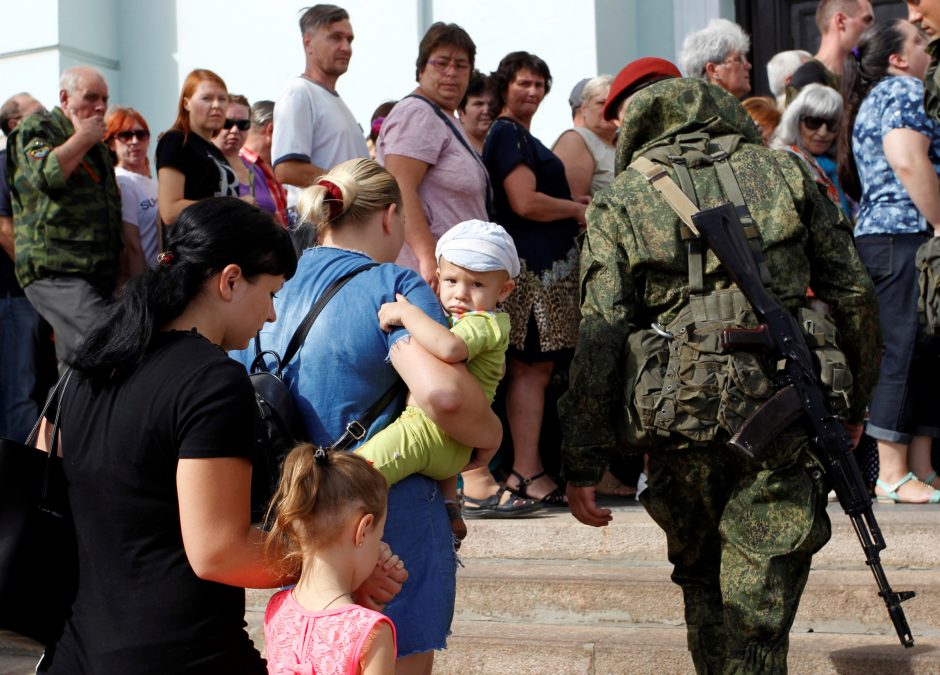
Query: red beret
column 647, row 70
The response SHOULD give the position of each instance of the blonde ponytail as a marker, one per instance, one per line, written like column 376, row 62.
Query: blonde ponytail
column 317, row 494
column 347, row 195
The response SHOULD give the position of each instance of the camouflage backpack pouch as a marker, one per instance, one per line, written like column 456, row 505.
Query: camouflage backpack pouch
column 928, row 268
column 687, row 384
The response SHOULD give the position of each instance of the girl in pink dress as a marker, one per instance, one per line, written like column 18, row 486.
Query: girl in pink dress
column 327, row 520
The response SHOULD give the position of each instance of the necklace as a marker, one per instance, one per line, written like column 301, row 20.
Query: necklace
column 335, row 599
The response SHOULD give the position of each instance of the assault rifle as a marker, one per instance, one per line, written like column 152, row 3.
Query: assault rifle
column 800, row 396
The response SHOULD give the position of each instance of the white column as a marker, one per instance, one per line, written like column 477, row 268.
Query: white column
column 690, row 16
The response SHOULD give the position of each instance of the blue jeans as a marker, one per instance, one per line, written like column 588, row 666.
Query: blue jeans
column 418, row 530
column 903, row 405
column 19, row 335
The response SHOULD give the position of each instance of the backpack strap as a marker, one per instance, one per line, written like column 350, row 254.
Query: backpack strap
column 357, row 429
column 729, row 183
column 297, row 339
column 685, row 208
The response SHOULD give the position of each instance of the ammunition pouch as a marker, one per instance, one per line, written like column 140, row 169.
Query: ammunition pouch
column 689, row 388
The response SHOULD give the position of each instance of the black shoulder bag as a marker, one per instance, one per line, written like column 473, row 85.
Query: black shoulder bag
column 38, row 549
column 280, row 426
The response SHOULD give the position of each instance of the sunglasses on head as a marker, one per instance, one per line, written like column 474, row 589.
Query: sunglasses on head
column 139, row 134
column 241, row 124
column 814, row 123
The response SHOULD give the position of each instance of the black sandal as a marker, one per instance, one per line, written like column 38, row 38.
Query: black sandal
column 556, row 497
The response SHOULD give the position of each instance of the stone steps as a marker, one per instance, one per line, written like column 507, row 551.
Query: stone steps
column 621, row 593
column 908, row 530
column 482, row 648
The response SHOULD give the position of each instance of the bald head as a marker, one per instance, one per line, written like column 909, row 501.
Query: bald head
column 83, row 93
column 15, row 108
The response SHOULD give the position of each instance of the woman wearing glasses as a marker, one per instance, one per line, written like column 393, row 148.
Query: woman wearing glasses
column 423, row 145
column 128, row 138
column 230, row 141
column 189, row 166
column 889, row 156
column 808, row 130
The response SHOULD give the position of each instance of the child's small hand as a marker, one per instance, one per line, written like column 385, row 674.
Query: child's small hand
column 384, row 583
column 391, row 313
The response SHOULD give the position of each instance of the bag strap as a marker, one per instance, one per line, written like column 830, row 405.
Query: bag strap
column 357, row 429
column 300, row 335
column 463, row 141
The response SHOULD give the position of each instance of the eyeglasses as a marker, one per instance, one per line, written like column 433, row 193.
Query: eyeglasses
column 740, row 59
column 443, row 65
column 139, row 134
column 241, row 124
column 815, row 123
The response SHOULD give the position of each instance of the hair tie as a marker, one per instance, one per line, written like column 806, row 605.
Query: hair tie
column 377, row 125
column 335, row 199
column 321, row 456
column 166, row 259
column 857, row 54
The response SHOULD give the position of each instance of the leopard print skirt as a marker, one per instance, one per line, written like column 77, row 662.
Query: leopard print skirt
column 547, row 302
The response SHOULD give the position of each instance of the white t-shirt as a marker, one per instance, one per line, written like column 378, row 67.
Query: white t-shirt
column 312, row 124
column 139, row 208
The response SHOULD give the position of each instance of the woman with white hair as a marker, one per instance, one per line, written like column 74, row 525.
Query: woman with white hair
column 718, row 54
column 808, row 129
column 588, row 151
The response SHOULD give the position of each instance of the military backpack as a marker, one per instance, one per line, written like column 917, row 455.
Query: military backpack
column 682, row 384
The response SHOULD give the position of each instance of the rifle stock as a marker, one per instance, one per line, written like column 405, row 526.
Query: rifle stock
column 723, row 233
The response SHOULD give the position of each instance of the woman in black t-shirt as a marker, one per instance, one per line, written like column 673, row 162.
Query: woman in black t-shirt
column 189, row 166
column 157, row 429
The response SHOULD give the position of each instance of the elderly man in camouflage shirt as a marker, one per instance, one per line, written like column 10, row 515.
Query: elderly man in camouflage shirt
column 741, row 533
column 66, row 209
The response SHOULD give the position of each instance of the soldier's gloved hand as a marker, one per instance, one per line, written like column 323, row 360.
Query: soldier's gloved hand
column 583, row 504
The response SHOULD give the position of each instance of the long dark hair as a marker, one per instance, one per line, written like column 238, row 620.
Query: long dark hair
column 208, row 235
column 864, row 68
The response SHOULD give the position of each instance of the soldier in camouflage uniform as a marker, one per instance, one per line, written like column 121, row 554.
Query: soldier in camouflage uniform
column 926, row 15
column 66, row 209
column 741, row 534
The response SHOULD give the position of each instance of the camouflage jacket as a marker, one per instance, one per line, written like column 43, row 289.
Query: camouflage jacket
column 932, row 82
column 634, row 266
column 62, row 226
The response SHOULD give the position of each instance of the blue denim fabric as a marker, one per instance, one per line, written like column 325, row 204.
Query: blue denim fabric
column 19, row 334
column 340, row 371
column 418, row 530
column 903, row 405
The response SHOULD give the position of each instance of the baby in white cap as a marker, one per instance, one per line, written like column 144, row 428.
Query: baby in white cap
column 476, row 266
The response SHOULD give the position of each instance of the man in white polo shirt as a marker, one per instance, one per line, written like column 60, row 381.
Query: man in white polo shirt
column 313, row 128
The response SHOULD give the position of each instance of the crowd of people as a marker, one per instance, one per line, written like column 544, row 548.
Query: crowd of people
column 476, row 263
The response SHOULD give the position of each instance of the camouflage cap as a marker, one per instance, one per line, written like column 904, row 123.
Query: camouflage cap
column 676, row 106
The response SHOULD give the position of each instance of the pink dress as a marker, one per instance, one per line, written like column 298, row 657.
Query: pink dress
column 329, row 642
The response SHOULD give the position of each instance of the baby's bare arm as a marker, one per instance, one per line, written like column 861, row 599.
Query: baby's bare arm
column 435, row 338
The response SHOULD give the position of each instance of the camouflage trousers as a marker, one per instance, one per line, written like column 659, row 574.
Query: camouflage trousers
column 741, row 535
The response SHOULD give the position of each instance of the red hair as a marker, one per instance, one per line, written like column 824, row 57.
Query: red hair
column 193, row 80
column 122, row 119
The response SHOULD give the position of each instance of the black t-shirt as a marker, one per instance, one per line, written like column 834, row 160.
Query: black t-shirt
column 207, row 172
column 508, row 145
column 140, row 607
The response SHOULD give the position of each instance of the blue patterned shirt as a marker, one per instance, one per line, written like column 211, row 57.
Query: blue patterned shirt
column 897, row 102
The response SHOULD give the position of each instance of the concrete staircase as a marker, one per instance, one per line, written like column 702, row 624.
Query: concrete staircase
column 549, row 595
